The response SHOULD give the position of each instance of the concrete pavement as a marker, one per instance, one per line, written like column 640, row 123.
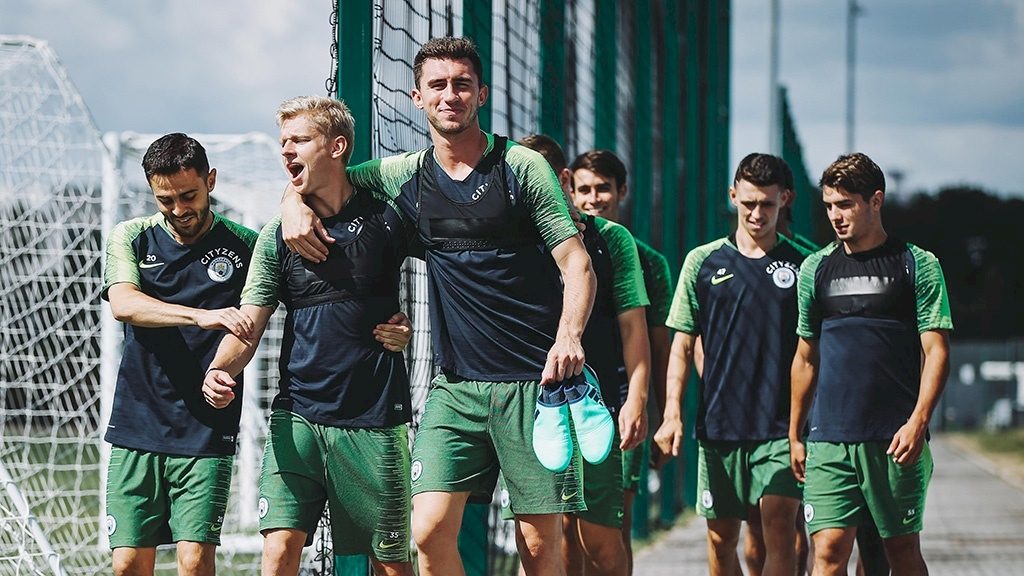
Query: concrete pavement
column 974, row 524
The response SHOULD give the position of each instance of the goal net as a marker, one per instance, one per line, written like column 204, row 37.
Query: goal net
column 63, row 185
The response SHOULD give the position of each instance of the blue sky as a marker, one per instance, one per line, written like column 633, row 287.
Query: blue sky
column 940, row 84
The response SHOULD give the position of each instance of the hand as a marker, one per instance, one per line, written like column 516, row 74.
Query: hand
column 576, row 218
column 218, row 388
column 302, row 231
column 229, row 319
column 632, row 424
column 658, row 456
column 565, row 359
column 395, row 334
column 669, row 436
column 908, row 443
column 798, row 459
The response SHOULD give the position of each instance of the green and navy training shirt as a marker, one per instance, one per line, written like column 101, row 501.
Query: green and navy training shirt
column 333, row 371
column 158, row 402
column 867, row 311
column 495, row 303
column 657, row 281
column 620, row 287
column 744, row 309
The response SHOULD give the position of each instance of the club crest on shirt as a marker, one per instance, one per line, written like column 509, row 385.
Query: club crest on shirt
column 221, row 263
column 783, row 273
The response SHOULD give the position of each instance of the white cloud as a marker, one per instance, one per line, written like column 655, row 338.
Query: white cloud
column 939, row 85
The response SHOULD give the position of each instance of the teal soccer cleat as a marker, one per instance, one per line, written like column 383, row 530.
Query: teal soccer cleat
column 595, row 428
column 552, row 441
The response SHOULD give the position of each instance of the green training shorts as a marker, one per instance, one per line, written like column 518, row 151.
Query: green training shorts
column 471, row 430
column 733, row 476
column 845, row 482
column 157, row 499
column 603, row 491
column 633, row 462
column 361, row 473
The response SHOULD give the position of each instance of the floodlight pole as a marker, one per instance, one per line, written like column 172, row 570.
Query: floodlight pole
column 853, row 10
column 774, row 108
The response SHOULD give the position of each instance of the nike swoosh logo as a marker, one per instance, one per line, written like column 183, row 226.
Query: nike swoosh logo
column 634, row 478
column 385, row 546
column 567, row 497
column 909, row 519
column 215, row 527
column 716, row 280
column 620, row 513
column 153, row 265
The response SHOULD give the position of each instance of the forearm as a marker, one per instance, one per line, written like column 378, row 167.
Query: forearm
column 636, row 354
column 802, row 384
column 290, row 196
column 933, row 380
column 680, row 357
column 660, row 347
column 132, row 306
column 579, row 285
column 234, row 353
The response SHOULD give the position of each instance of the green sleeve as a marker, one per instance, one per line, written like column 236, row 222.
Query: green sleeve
column 244, row 234
column 930, row 288
column 658, row 281
column 542, row 194
column 264, row 277
column 122, row 264
column 384, row 177
column 808, row 324
column 684, row 315
column 799, row 245
column 629, row 291
column 803, row 242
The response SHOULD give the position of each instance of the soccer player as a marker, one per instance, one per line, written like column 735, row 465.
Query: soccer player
column 739, row 295
column 599, row 187
column 338, row 430
column 616, row 343
column 174, row 279
column 753, row 545
column 874, row 324
column 497, row 234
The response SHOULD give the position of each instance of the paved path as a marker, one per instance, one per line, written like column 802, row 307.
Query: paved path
column 974, row 525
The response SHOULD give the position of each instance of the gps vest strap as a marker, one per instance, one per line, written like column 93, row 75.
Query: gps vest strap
column 491, row 219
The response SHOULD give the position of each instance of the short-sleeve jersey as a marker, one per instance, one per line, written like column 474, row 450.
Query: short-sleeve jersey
column 620, row 287
column 657, row 281
column 867, row 311
column 494, row 310
column 158, row 400
column 333, row 371
column 744, row 309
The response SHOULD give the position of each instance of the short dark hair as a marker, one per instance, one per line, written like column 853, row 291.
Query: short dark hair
column 548, row 148
column 173, row 153
column 856, row 174
column 447, row 48
column 764, row 170
column 603, row 162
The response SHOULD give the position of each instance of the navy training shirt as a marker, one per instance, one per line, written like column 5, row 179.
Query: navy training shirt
column 158, row 401
column 745, row 310
column 867, row 311
column 333, row 371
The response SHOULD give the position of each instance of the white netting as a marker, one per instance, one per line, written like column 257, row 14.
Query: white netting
column 60, row 190
column 51, row 163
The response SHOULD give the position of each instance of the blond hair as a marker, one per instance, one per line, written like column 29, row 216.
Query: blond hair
column 330, row 116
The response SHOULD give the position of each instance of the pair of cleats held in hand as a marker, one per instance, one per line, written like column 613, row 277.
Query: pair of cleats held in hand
column 579, row 398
